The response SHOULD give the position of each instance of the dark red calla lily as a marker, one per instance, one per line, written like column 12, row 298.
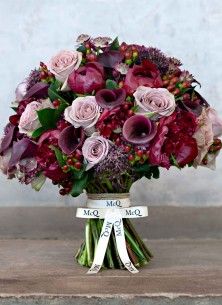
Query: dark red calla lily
column 70, row 139
column 110, row 58
column 107, row 98
column 139, row 130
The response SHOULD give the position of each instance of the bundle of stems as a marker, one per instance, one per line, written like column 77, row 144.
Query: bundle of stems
column 137, row 250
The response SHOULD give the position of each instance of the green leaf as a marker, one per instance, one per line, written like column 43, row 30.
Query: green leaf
column 14, row 108
column 54, row 92
column 79, row 185
column 115, row 44
column 111, row 84
column 147, row 170
column 135, row 108
column 38, row 132
column 59, row 155
column 174, row 161
column 38, row 182
column 82, row 49
column 47, row 118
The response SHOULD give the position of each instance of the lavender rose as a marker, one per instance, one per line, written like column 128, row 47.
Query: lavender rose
column 64, row 63
column 95, row 149
column 29, row 121
column 157, row 100
column 84, row 112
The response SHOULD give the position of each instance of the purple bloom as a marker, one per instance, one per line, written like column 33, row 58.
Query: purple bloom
column 139, row 130
column 70, row 139
column 110, row 98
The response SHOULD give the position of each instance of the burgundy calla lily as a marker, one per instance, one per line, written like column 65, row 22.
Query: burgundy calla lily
column 8, row 138
column 139, row 130
column 24, row 148
column 39, row 90
column 107, row 98
column 70, row 139
column 110, row 58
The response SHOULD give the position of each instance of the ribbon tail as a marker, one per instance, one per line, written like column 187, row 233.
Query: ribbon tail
column 121, row 244
column 102, row 245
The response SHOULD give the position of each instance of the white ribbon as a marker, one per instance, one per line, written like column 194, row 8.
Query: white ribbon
column 112, row 211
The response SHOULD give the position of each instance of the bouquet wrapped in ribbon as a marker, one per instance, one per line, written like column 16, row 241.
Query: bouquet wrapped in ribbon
column 98, row 118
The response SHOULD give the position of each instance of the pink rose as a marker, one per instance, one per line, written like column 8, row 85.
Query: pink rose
column 157, row 100
column 29, row 121
column 84, row 112
column 95, row 149
column 87, row 79
column 210, row 127
column 64, row 63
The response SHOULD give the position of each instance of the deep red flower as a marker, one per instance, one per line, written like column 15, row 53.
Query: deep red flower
column 174, row 138
column 46, row 158
column 145, row 74
column 86, row 79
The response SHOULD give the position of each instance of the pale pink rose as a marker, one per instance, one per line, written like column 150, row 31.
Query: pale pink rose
column 157, row 100
column 29, row 121
column 21, row 91
column 210, row 127
column 95, row 149
column 84, row 112
column 64, row 63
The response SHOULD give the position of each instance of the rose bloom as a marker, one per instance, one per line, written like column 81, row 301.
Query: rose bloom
column 95, row 149
column 174, row 138
column 84, row 112
column 64, row 63
column 209, row 127
column 87, row 79
column 29, row 121
column 157, row 100
column 145, row 74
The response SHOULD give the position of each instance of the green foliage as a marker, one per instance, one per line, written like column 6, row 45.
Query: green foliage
column 115, row 44
column 111, row 84
column 54, row 92
column 59, row 155
column 79, row 185
column 147, row 170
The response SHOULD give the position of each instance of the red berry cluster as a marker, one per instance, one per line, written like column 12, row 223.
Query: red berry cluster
column 130, row 53
column 135, row 154
column 45, row 74
column 74, row 161
column 173, row 83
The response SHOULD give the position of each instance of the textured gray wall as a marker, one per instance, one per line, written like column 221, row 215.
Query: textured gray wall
column 33, row 30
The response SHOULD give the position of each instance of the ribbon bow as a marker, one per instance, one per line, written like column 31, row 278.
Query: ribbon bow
column 112, row 211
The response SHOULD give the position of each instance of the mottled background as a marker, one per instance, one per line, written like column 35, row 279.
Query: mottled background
column 34, row 30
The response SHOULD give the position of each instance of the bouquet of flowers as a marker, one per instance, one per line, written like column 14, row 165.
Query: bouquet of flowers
column 99, row 118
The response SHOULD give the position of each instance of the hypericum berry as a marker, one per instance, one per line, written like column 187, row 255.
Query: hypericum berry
column 170, row 88
column 217, row 142
column 118, row 141
column 128, row 61
column 14, row 119
column 166, row 82
column 62, row 192
column 43, row 74
column 127, row 148
column 128, row 54
column 186, row 84
column 204, row 161
column 130, row 112
column 77, row 165
column 78, row 155
column 126, row 106
column 135, row 54
column 174, row 80
column 123, row 47
column 69, row 161
column 56, row 103
column 131, row 157
column 65, row 168
column 176, row 91
column 139, row 153
column 121, row 84
column 217, row 147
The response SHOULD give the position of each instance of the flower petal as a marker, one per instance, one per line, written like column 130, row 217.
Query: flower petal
column 70, row 139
